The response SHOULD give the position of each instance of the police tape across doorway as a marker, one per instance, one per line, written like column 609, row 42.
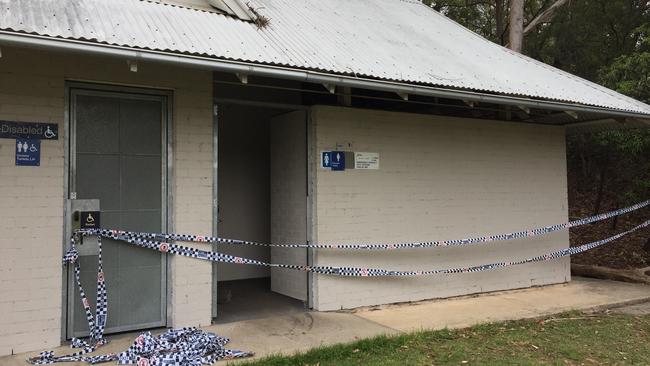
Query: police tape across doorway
column 209, row 347
column 161, row 243
column 171, row 248
column 385, row 246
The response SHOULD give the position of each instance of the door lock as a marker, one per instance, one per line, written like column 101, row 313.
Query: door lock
column 85, row 214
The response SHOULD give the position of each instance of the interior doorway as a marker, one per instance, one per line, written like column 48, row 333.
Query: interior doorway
column 262, row 197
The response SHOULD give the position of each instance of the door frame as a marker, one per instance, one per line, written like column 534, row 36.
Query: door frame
column 72, row 89
column 310, row 181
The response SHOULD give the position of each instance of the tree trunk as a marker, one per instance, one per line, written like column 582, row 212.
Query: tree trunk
column 615, row 220
column 516, row 38
column 601, row 189
column 583, row 158
column 500, row 20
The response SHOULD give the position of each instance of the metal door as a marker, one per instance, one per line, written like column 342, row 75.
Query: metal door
column 118, row 155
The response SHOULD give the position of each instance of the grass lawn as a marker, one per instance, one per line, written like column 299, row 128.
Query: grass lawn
column 568, row 339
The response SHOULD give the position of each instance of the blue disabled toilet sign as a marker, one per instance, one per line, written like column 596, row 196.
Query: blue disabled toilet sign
column 28, row 152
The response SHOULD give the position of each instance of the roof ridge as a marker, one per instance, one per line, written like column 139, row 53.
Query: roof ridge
column 161, row 2
column 185, row 7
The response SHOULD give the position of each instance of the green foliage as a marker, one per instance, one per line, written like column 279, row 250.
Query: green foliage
column 617, row 160
column 588, row 35
column 630, row 73
column 481, row 17
column 478, row 16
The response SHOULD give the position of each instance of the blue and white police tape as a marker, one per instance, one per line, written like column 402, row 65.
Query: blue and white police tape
column 370, row 246
column 172, row 248
column 175, row 347
column 184, row 346
column 205, row 348
column 96, row 324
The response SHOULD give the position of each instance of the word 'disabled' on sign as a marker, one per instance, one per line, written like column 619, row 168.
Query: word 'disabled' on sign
column 29, row 130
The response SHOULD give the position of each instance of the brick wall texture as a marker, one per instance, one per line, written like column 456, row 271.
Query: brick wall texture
column 32, row 198
column 439, row 178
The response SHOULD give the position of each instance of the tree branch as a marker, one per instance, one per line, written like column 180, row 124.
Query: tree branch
column 545, row 16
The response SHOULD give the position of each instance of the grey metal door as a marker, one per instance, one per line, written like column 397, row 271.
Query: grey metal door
column 117, row 155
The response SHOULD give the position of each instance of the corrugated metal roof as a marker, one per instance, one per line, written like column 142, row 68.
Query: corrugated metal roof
column 233, row 7
column 396, row 40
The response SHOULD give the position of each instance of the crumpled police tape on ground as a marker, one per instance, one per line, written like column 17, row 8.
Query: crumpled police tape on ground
column 175, row 347
column 455, row 242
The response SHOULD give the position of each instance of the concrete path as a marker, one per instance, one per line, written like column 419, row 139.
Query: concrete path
column 579, row 294
column 299, row 332
column 295, row 333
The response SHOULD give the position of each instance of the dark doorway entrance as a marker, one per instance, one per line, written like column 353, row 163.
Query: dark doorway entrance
column 262, row 177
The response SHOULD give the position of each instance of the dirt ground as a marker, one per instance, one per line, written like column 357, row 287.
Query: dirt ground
column 632, row 251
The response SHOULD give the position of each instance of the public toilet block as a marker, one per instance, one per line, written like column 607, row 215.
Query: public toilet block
column 273, row 121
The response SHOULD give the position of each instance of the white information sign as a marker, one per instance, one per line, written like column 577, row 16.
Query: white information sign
column 366, row 160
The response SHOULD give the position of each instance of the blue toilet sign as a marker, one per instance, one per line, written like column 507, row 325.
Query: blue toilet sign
column 333, row 160
column 325, row 159
column 337, row 161
column 28, row 152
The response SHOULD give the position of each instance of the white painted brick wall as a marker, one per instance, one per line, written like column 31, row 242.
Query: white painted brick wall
column 440, row 178
column 31, row 207
column 191, row 280
column 289, row 201
column 31, row 198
